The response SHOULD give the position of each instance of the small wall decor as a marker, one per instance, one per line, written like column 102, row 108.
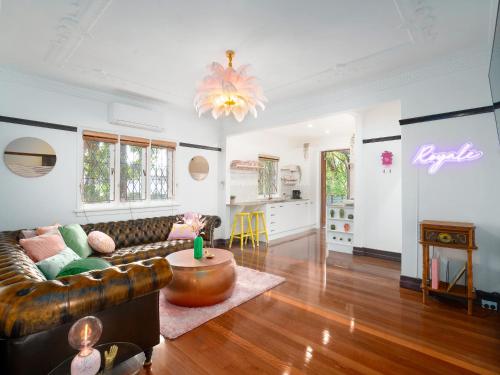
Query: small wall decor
column 29, row 157
column 347, row 227
column 332, row 213
column 198, row 168
column 332, row 226
column 341, row 213
column 386, row 158
column 350, row 216
column 428, row 155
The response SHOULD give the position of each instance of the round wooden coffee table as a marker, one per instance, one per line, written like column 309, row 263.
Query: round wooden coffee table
column 200, row 282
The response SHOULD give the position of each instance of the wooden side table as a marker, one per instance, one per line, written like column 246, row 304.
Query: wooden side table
column 453, row 235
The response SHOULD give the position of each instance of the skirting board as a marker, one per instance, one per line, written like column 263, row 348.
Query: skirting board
column 414, row 283
column 374, row 253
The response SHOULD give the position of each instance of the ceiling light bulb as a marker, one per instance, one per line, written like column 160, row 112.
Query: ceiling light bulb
column 309, row 125
column 327, row 131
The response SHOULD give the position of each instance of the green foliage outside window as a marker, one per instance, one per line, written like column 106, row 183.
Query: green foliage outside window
column 97, row 183
column 337, row 173
column 268, row 177
column 132, row 172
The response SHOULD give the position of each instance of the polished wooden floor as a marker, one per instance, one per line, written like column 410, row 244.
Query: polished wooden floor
column 336, row 314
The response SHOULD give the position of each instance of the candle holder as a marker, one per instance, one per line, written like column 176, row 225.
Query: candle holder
column 82, row 336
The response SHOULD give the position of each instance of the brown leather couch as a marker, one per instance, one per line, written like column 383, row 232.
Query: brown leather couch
column 36, row 314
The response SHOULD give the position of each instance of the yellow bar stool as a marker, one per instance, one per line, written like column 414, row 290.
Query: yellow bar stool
column 243, row 234
column 260, row 225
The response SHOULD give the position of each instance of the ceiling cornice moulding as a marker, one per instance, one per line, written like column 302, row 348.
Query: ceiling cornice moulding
column 28, row 80
column 73, row 27
column 324, row 100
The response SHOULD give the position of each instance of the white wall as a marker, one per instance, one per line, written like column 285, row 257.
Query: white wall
column 466, row 192
column 248, row 146
column 378, row 214
column 445, row 85
column 30, row 202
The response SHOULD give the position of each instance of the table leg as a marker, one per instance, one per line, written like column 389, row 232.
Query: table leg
column 425, row 272
column 470, row 286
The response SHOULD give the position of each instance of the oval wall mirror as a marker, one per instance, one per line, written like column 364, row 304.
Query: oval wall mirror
column 198, row 168
column 29, row 157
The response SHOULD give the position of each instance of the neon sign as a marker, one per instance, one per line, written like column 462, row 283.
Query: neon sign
column 427, row 155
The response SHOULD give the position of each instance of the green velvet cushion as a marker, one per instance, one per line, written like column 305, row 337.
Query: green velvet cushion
column 83, row 265
column 51, row 266
column 76, row 239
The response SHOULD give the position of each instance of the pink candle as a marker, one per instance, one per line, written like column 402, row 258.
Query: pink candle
column 435, row 273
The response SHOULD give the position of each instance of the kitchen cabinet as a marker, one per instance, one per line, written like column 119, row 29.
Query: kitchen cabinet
column 289, row 217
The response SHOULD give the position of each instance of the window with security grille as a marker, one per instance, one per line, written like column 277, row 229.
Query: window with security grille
column 98, row 172
column 132, row 172
column 268, row 177
column 161, row 173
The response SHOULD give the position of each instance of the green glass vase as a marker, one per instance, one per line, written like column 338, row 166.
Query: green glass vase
column 198, row 247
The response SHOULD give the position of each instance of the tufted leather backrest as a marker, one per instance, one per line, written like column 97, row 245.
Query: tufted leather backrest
column 15, row 265
column 135, row 232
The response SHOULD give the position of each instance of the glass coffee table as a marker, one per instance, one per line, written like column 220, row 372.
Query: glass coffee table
column 129, row 360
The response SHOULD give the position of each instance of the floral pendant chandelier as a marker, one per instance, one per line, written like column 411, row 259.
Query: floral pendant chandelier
column 227, row 91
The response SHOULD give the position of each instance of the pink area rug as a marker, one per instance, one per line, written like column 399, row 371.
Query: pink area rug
column 176, row 320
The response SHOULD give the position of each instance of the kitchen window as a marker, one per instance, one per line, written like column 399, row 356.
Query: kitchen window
column 268, row 176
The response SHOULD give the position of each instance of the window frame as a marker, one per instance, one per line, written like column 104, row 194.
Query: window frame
column 117, row 204
column 170, row 172
column 112, row 173
column 263, row 158
column 143, row 178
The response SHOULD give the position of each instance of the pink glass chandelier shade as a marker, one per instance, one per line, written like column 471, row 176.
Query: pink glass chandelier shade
column 229, row 91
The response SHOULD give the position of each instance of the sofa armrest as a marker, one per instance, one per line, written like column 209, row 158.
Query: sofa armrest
column 211, row 223
column 31, row 306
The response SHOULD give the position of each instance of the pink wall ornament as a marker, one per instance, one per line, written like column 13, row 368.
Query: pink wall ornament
column 428, row 155
column 386, row 158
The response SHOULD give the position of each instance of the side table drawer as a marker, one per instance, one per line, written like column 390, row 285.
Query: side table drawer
column 446, row 237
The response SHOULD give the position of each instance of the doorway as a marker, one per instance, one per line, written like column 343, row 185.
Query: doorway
column 335, row 178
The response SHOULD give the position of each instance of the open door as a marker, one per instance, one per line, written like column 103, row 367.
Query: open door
column 322, row 219
column 335, row 178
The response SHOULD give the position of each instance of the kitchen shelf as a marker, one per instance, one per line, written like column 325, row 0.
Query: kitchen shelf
column 336, row 242
column 339, row 231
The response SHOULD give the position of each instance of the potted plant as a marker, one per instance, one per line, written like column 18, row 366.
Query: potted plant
column 232, row 199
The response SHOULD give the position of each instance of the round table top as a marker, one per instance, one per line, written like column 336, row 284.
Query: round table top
column 185, row 258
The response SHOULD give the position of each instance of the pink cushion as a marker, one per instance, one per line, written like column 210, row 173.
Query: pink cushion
column 41, row 247
column 101, row 242
column 181, row 232
column 47, row 229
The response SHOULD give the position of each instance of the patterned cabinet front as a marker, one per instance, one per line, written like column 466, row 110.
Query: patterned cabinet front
column 446, row 235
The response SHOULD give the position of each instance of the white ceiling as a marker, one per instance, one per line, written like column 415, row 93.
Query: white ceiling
column 160, row 49
column 336, row 126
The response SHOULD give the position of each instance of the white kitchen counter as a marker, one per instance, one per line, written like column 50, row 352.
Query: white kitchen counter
column 283, row 217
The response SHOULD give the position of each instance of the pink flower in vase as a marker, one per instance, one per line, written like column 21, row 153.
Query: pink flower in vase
column 195, row 221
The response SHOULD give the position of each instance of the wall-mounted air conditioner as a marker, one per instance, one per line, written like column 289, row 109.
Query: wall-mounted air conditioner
column 134, row 117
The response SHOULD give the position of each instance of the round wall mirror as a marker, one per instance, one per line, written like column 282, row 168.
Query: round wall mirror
column 29, row 157
column 198, row 168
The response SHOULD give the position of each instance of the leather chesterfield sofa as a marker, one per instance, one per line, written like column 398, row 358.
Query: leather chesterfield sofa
column 36, row 314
